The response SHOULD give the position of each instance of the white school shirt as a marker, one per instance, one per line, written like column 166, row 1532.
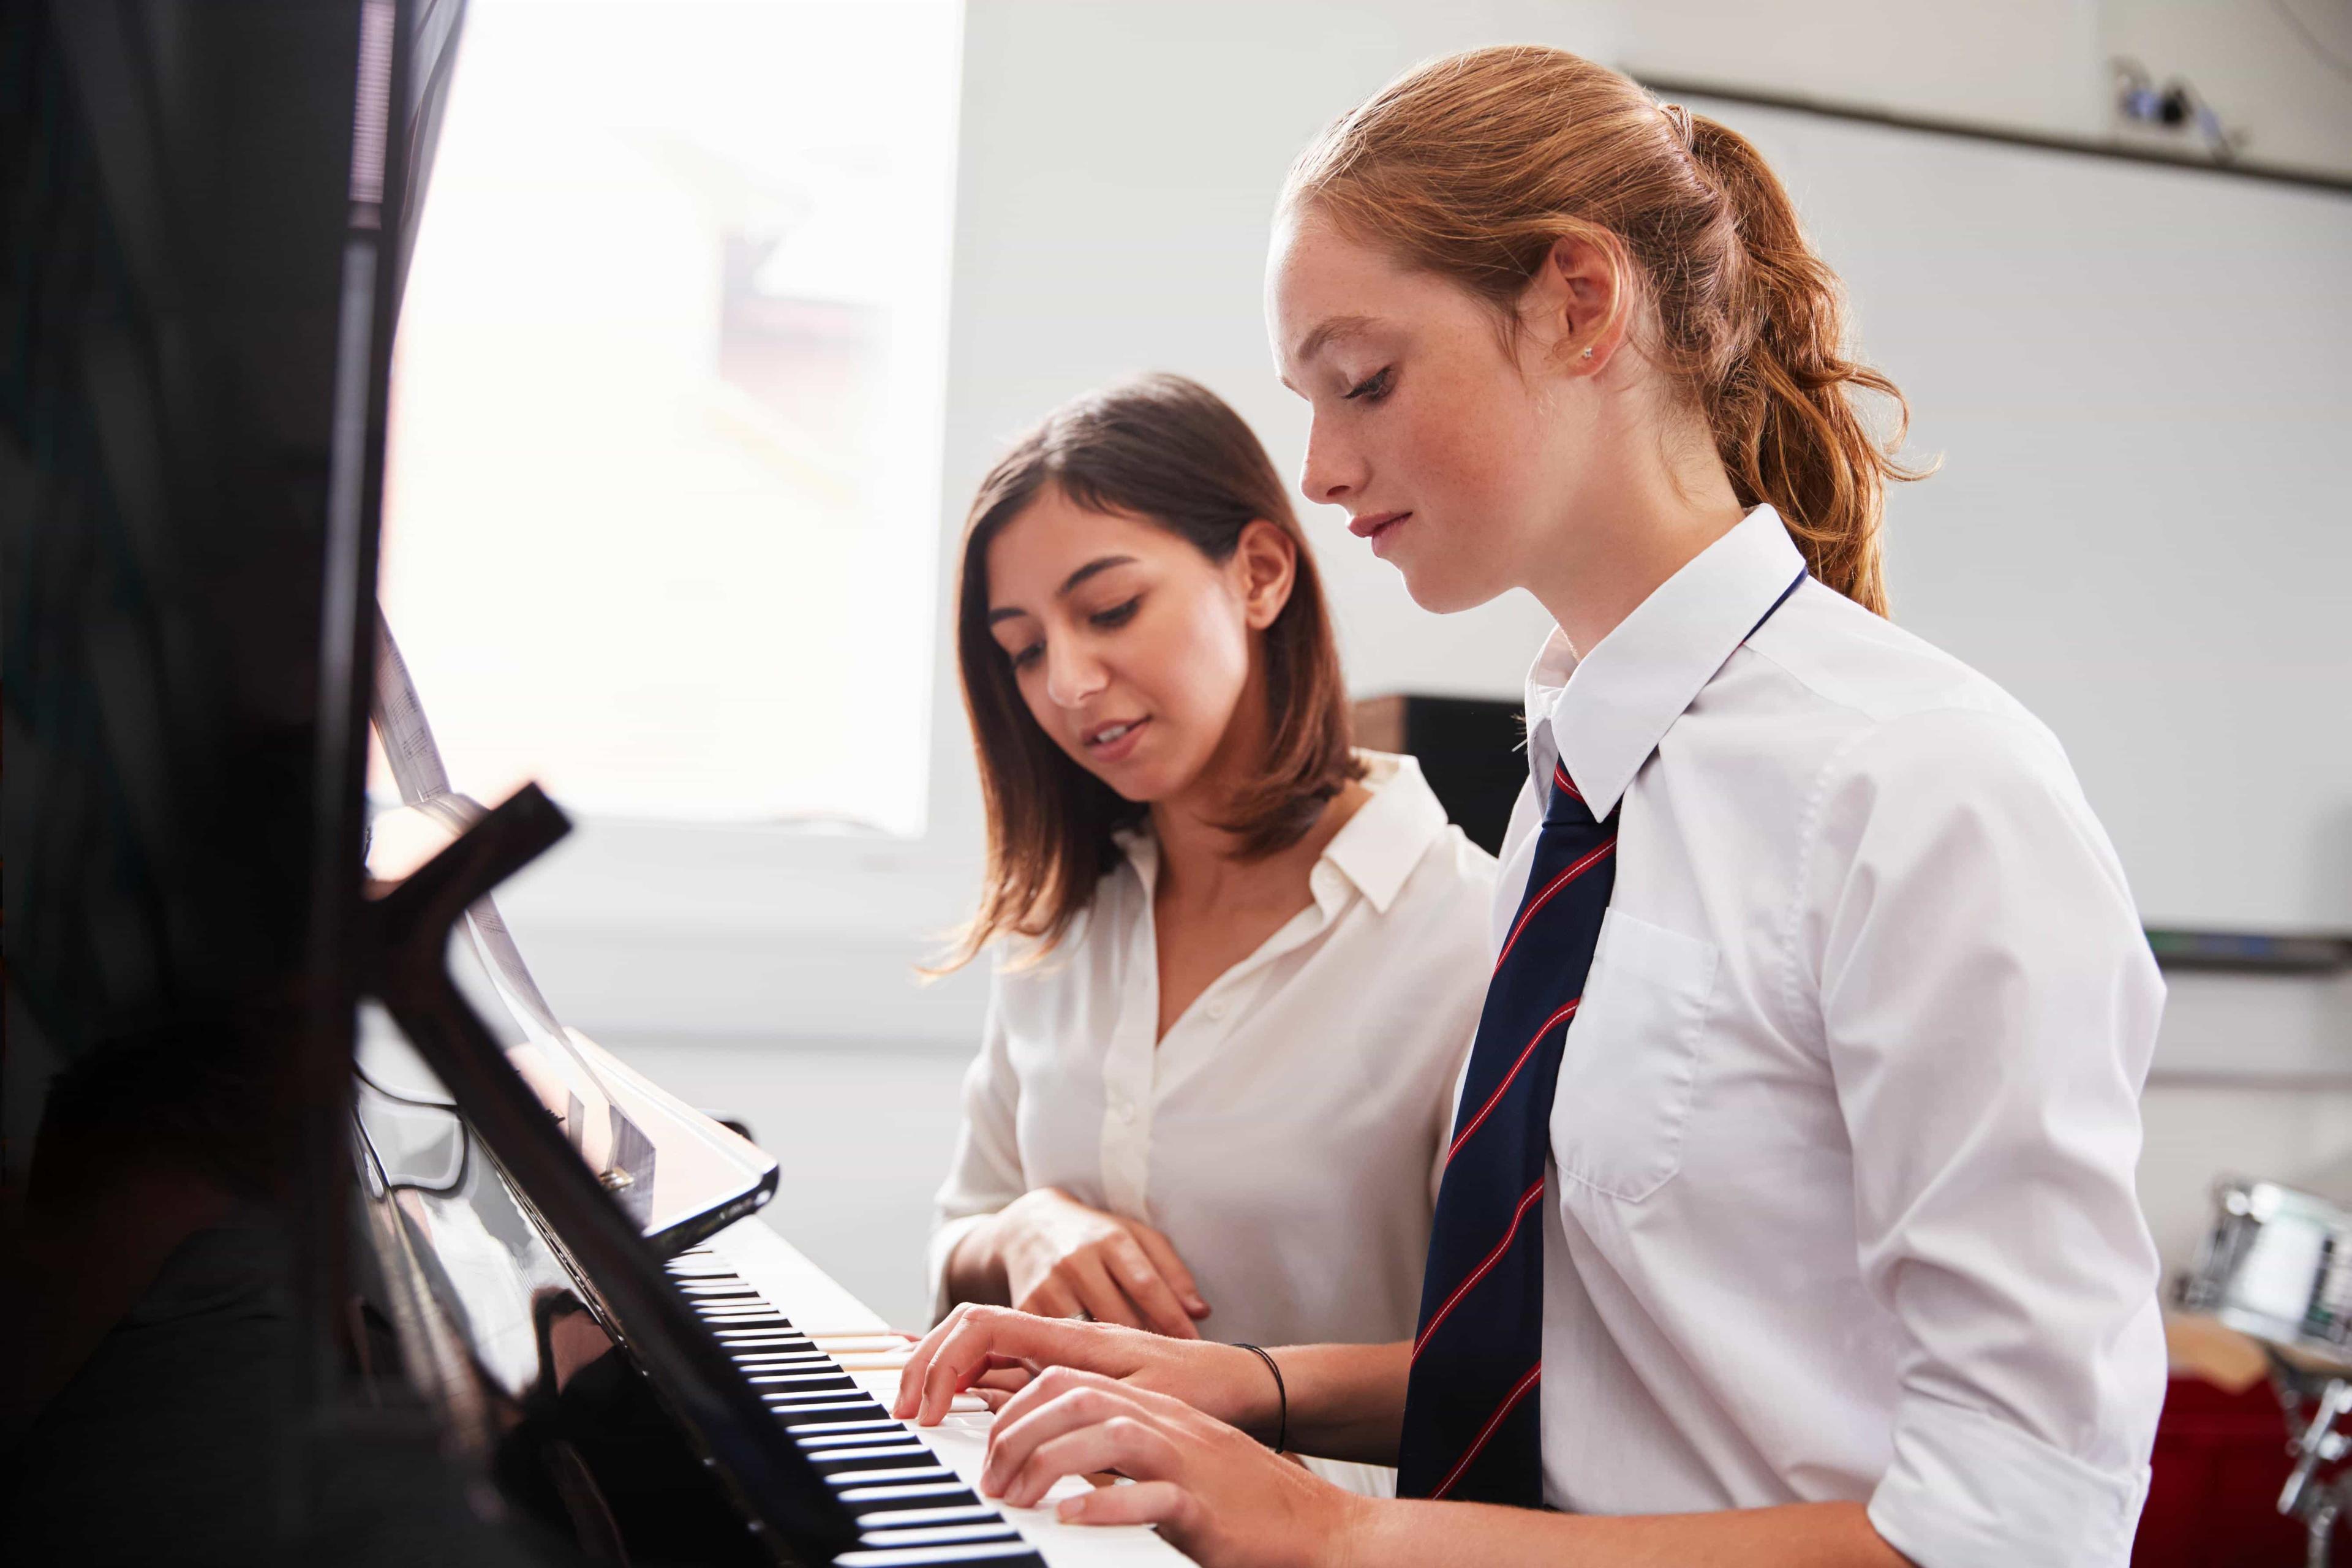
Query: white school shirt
column 1841, row 1200
column 1286, row 1133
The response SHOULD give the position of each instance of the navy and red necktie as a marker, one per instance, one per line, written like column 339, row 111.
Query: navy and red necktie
column 1473, row 1417
column 1471, row 1414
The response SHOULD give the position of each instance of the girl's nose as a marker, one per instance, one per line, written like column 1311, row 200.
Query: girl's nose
column 1332, row 474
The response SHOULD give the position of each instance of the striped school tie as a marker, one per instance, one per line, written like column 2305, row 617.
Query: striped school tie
column 1470, row 1410
column 1473, row 1418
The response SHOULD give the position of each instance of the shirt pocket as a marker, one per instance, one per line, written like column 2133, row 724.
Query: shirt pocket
column 1631, row 1062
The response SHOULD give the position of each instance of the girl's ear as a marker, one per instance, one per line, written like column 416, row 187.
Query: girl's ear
column 1574, row 308
column 1265, row 568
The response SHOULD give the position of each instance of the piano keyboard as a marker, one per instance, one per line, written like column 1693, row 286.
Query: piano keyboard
column 828, row 1367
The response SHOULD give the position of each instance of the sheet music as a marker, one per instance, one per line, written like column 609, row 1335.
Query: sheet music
column 623, row 1156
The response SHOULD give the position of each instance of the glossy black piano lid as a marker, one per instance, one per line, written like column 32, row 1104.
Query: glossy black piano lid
column 206, row 214
column 204, row 226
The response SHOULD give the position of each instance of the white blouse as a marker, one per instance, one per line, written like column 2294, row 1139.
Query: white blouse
column 1841, row 1201
column 1286, row 1133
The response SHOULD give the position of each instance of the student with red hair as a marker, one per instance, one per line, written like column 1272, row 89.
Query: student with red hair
column 1788, row 1212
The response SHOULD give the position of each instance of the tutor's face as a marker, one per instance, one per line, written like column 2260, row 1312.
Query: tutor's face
column 1131, row 649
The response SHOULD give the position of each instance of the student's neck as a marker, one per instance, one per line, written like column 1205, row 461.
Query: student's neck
column 1606, row 560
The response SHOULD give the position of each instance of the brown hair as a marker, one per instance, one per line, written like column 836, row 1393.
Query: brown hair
column 1472, row 166
column 1170, row 452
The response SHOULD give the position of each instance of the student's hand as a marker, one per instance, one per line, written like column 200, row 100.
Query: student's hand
column 989, row 1349
column 1218, row 1495
column 1062, row 1257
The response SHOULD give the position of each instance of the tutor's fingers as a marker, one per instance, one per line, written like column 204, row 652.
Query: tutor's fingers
column 1050, row 1299
column 1099, row 1294
column 1154, row 1301
column 1164, row 1258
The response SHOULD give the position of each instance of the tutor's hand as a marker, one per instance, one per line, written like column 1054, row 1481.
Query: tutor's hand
column 995, row 1351
column 1062, row 1257
column 1216, row 1493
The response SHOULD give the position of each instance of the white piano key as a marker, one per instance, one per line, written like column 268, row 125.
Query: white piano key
column 854, row 1343
column 829, row 1426
column 915, row 1556
column 872, row 1362
column 881, row 1451
column 893, row 1517
column 855, row 1479
column 935, row 1535
column 805, row 1405
column 851, row 1432
column 918, row 1489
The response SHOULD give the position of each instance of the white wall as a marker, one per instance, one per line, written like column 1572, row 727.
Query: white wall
column 1118, row 164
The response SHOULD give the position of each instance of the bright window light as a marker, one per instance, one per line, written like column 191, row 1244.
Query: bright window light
column 662, row 508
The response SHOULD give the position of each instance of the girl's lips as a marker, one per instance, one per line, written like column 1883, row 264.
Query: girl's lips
column 1117, row 749
column 1379, row 528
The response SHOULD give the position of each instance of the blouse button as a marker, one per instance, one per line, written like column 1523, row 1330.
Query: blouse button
column 1216, row 1010
column 1127, row 1110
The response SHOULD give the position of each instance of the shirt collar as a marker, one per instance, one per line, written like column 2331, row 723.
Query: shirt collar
column 1376, row 849
column 1381, row 844
column 1609, row 710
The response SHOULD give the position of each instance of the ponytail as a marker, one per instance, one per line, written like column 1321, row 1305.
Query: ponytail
column 1473, row 165
column 1781, row 409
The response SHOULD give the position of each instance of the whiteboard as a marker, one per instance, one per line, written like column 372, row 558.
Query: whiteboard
column 2141, row 380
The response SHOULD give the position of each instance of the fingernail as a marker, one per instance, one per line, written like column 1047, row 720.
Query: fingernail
column 1069, row 1507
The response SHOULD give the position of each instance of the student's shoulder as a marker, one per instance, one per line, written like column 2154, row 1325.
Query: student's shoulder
column 1870, row 710
column 1847, row 680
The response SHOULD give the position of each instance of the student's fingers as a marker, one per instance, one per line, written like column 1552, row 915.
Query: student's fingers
column 1061, row 1401
column 919, row 1362
column 969, row 1342
column 1004, row 1380
column 1132, row 1445
column 1164, row 1258
column 1140, row 1278
column 1145, row 1502
column 1086, row 1276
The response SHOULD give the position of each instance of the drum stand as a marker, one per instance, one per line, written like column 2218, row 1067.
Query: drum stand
column 2314, row 1401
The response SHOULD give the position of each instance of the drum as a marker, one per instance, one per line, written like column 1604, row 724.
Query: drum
column 2277, row 1265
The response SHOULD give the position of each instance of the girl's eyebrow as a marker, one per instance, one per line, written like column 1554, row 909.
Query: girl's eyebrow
column 1100, row 563
column 1329, row 333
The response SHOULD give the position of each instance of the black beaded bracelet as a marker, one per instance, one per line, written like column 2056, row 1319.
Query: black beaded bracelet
column 1281, row 1394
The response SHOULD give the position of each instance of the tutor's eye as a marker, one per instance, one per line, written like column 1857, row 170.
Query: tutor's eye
column 1118, row 615
column 1023, row 657
column 1373, row 387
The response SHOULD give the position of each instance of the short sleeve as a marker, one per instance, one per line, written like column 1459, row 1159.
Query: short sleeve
column 1988, row 1004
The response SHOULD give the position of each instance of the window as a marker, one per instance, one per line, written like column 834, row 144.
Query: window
column 661, row 508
